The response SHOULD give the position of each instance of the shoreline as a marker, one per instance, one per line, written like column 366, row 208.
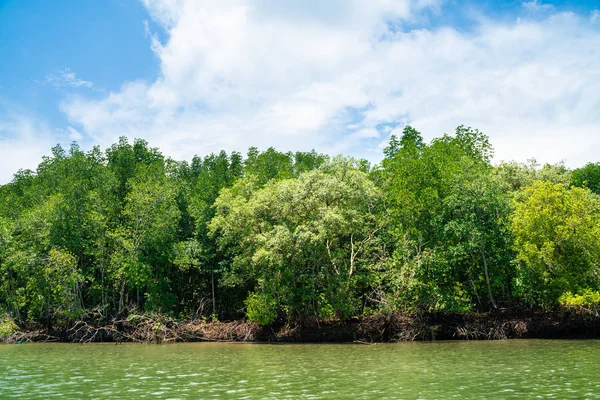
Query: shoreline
column 383, row 328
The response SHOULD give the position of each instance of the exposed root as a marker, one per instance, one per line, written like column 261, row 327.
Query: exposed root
column 39, row 336
column 386, row 327
column 224, row 331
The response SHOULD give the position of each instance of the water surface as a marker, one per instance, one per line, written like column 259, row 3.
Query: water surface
column 440, row 370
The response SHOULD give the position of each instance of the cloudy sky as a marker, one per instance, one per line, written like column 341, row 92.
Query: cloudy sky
column 340, row 76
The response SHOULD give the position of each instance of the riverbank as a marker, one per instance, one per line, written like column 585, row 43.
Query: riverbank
column 389, row 327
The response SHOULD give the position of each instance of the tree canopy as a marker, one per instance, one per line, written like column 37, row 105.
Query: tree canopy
column 273, row 236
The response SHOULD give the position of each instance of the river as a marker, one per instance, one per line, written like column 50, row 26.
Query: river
column 512, row 369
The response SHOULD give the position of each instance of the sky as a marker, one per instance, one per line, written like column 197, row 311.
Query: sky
column 339, row 76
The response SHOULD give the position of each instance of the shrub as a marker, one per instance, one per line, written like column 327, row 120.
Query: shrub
column 588, row 300
column 261, row 308
column 7, row 326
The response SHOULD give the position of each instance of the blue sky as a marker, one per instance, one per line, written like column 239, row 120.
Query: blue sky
column 194, row 77
column 103, row 41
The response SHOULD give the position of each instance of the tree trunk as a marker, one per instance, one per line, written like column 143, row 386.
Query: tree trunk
column 121, row 295
column 487, row 278
column 212, row 282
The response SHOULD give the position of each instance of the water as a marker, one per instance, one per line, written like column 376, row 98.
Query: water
column 440, row 370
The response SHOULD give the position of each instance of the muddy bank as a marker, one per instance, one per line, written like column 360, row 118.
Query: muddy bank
column 391, row 327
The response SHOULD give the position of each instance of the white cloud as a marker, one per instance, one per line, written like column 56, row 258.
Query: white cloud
column 67, row 78
column 537, row 6
column 298, row 75
column 74, row 134
column 23, row 142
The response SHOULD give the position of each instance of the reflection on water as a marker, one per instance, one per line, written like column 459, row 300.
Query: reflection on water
column 439, row 370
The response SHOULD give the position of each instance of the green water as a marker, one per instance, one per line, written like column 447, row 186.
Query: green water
column 439, row 370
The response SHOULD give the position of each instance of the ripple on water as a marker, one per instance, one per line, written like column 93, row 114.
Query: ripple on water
column 509, row 369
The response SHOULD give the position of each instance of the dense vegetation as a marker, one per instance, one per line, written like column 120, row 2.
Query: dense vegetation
column 293, row 236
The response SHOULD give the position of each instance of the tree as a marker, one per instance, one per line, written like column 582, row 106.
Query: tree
column 477, row 235
column 268, row 165
column 587, row 176
column 518, row 176
column 448, row 222
column 557, row 238
column 212, row 174
column 146, row 238
column 6, row 278
column 303, row 244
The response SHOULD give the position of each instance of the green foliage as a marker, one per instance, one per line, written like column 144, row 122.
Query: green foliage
column 588, row 299
column 450, row 230
column 587, row 176
column 307, row 242
column 64, row 283
column 7, row 326
column 518, row 176
column 435, row 227
column 261, row 308
column 557, row 237
column 134, row 318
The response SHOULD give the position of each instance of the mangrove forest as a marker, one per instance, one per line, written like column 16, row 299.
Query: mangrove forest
column 285, row 238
